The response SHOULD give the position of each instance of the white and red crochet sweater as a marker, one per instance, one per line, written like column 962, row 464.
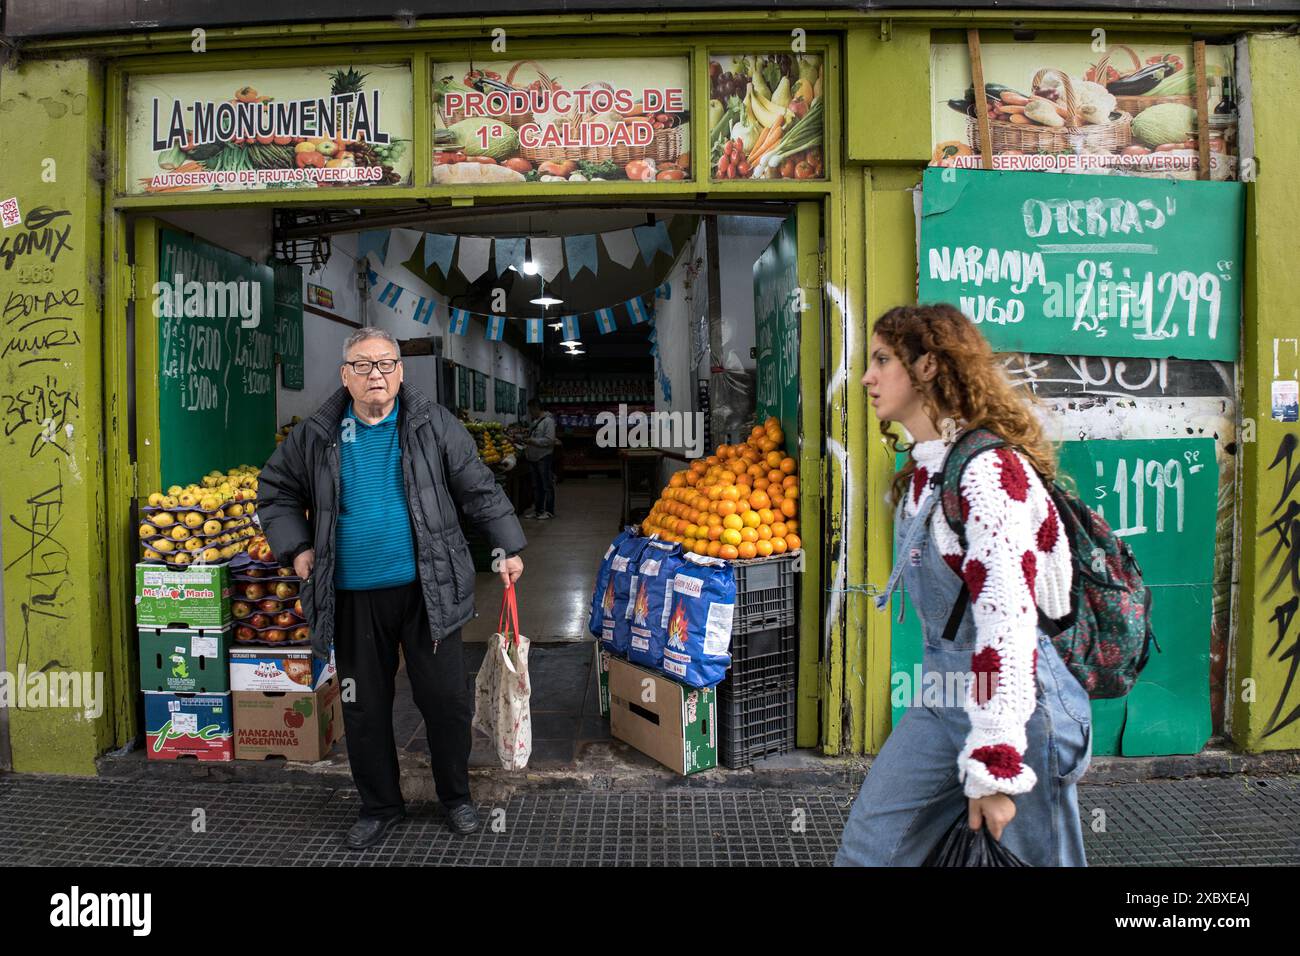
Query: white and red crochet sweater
column 1017, row 557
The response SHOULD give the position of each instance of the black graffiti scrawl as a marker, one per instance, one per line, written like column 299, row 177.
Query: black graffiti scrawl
column 43, row 233
column 1286, row 556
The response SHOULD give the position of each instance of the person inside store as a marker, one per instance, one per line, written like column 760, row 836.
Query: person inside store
column 539, row 450
column 1010, row 749
column 362, row 500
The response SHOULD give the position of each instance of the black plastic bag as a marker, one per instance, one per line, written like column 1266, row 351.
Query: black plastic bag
column 962, row 846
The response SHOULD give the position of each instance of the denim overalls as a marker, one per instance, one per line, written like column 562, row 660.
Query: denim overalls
column 912, row 793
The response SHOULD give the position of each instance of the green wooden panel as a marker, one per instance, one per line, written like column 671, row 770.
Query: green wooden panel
column 886, row 93
column 288, row 323
column 504, row 397
column 463, row 378
column 1087, row 265
column 777, row 315
column 1172, row 536
column 480, row 392
column 216, row 378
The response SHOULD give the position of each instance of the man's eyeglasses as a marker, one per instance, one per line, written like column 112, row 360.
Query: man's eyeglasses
column 386, row 366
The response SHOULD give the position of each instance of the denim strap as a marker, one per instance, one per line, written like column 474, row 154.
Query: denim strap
column 919, row 527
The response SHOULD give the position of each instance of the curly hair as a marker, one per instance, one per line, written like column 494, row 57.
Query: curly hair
column 969, row 385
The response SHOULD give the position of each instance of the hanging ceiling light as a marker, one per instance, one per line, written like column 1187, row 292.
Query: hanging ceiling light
column 545, row 301
column 557, row 326
column 571, row 343
column 531, row 268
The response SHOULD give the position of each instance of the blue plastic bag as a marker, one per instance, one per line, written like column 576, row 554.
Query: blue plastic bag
column 701, row 606
column 602, row 594
column 613, row 602
column 649, row 596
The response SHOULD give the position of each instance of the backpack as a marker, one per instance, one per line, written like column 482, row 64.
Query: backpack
column 1105, row 639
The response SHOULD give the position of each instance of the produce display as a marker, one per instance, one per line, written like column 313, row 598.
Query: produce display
column 542, row 144
column 203, row 523
column 590, row 389
column 494, row 446
column 741, row 502
column 765, row 117
column 283, row 433
column 265, row 604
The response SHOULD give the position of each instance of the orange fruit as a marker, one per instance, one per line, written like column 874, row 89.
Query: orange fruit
column 714, row 521
column 733, row 521
column 728, row 553
column 764, row 532
column 779, row 530
column 789, row 481
column 775, row 476
column 727, row 507
column 791, row 526
column 724, row 452
column 778, row 545
column 692, row 477
column 748, row 534
column 763, row 547
column 689, row 543
column 792, row 542
column 758, row 431
column 677, row 480
column 750, row 519
column 731, row 536
column 712, row 460
column 759, row 500
column 730, row 492
column 715, row 532
column 765, row 516
column 767, row 445
column 754, row 471
column 715, row 492
column 746, row 550
column 792, row 491
column 714, row 548
column 760, row 484
column 788, row 465
column 773, row 459
column 692, row 531
column 789, row 507
column 701, row 547
column 738, row 466
column 774, row 432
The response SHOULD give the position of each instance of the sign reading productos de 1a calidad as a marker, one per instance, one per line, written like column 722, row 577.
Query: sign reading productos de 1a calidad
column 1086, row 265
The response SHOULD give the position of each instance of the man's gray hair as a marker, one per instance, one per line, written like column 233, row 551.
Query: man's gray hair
column 369, row 332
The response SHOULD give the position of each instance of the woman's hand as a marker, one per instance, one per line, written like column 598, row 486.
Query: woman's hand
column 997, row 809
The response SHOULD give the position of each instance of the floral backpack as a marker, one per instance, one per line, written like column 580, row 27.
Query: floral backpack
column 1105, row 639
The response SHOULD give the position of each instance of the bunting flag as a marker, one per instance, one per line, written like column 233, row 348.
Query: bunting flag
column 425, row 310
column 459, row 321
column 535, row 328
column 439, row 250
column 653, row 239
column 581, row 253
column 496, row 327
column 391, row 295
column 472, row 260
column 637, row 310
column 375, row 240
column 509, row 252
column 548, row 253
column 605, row 321
column 621, row 246
column 665, row 291
column 570, row 328
column 401, row 246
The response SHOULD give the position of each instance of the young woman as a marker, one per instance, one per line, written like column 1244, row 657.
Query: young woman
column 1009, row 752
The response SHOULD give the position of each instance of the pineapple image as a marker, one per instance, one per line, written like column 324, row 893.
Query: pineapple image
column 346, row 82
column 677, row 628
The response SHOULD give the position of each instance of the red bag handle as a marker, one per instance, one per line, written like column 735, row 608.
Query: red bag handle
column 509, row 613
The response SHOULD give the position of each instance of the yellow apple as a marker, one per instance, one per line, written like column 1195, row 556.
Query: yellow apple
column 193, row 519
column 163, row 520
column 193, row 544
column 156, row 499
column 212, row 527
column 174, row 491
column 180, row 533
column 164, row 545
column 148, row 531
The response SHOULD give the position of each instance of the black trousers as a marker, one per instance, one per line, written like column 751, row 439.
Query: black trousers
column 369, row 628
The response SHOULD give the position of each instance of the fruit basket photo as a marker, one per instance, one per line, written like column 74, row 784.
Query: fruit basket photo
column 1019, row 133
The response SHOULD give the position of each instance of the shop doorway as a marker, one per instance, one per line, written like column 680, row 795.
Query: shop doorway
column 718, row 339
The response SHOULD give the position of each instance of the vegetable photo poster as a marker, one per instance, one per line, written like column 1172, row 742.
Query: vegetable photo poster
column 556, row 121
column 299, row 128
column 766, row 117
column 1072, row 108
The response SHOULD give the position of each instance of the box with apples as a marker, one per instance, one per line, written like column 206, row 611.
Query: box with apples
column 265, row 602
column 297, row 726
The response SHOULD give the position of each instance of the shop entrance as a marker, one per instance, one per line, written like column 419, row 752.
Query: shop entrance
column 653, row 338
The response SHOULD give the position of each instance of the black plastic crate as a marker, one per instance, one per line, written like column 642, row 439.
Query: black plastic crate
column 766, row 596
column 755, row 725
column 762, row 660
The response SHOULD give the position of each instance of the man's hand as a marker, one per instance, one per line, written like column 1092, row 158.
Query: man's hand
column 997, row 809
column 303, row 564
column 511, row 569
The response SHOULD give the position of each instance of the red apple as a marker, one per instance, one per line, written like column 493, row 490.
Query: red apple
column 285, row 590
column 259, row 621
column 293, row 719
column 300, row 634
column 245, row 633
column 284, row 572
column 285, row 619
column 240, row 609
column 255, row 573
column 275, row 637
column 254, row 591
column 270, row 605
column 297, row 606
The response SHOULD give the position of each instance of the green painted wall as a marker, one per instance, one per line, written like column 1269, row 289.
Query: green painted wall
column 51, row 466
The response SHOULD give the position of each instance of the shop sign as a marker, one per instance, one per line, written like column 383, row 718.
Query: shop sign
column 1085, row 265
column 549, row 121
column 300, row 128
column 319, row 295
column 766, row 117
column 1084, row 108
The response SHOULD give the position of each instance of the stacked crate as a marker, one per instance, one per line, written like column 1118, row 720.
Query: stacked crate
column 756, row 701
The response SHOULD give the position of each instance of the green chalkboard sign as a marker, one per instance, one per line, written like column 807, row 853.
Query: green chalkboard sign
column 463, row 380
column 504, row 397
column 1161, row 495
column 776, row 315
column 522, row 408
column 480, row 392
column 288, row 323
column 216, row 359
column 1087, row 265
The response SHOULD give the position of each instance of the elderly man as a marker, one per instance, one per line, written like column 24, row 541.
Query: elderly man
column 381, row 472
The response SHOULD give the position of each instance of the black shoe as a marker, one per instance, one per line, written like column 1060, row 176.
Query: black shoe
column 368, row 831
column 463, row 819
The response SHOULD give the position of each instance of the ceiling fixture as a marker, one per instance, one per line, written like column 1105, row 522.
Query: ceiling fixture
column 557, row 326
column 546, row 301
column 571, row 343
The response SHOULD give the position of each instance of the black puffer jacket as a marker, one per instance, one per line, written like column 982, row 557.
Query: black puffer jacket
column 441, row 473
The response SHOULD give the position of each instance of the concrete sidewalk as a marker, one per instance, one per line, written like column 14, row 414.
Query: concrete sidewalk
column 1238, row 821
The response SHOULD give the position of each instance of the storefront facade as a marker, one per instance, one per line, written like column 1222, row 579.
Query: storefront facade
column 78, row 373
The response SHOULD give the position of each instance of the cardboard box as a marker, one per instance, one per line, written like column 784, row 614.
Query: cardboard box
column 198, row 726
column 293, row 726
column 184, row 660
column 193, row 597
column 675, row 724
column 602, row 677
column 292, row 669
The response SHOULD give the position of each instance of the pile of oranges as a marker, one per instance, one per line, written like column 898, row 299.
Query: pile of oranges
column 741, row 502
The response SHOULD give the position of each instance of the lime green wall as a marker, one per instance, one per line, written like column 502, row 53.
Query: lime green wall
column 1265, row 689
column 51, row 467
